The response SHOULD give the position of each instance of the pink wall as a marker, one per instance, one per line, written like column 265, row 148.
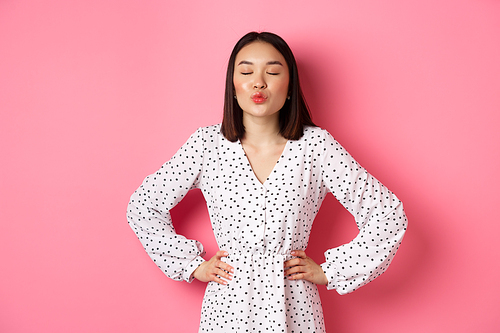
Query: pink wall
column 94, row 95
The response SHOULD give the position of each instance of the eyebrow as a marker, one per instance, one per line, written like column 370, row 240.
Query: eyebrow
column 274, row 62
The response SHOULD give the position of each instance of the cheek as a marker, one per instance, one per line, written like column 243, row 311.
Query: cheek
column 238, row 85
column 283, row 87
column 284, row 83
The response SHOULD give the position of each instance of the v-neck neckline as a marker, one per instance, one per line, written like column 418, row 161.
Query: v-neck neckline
column 274, row 167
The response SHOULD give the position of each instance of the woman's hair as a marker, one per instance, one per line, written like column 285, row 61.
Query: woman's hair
column 294, row 114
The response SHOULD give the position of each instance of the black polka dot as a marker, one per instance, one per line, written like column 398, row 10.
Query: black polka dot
column 260, row 224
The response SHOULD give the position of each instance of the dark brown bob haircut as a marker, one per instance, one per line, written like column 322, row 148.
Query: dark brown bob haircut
column 294, row 114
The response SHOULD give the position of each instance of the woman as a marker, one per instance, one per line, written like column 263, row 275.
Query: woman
column 264, row 173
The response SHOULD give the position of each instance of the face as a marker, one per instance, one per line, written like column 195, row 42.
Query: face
column 260, row 80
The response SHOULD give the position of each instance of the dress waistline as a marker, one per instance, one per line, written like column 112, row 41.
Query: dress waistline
column 258, row 256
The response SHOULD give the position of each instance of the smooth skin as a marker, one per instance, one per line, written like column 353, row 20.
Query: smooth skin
column 259, row 67
column 304, row 268
column 214, row 269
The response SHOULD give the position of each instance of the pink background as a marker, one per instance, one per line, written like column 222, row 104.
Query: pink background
column 95, row 95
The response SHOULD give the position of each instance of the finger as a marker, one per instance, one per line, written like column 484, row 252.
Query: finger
column 288, row 269
column 293, row 262
column 219, row 268
column 221, row 254
column 222, row 265
column 219, row 280
column 294, row 270
column 222, row 272
column 225, row 266
column 298, row 276
column 218, row 275
column 299, row 253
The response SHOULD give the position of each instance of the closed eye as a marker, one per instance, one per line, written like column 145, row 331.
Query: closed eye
column 246, row 73
column 273, row 73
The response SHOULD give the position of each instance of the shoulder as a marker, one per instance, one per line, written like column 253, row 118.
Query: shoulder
column 316, row 134
column 210, row 136
column 207, row 132
column 321, row 141
column 210, row 130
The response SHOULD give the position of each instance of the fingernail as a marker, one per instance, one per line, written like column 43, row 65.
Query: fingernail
column 293, row 253
column 231, row 270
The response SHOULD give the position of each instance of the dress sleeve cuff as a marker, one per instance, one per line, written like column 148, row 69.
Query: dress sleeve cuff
column 188, row 271
column 331, row 275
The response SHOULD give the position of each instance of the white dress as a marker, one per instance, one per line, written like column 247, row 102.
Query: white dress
column 260, row 224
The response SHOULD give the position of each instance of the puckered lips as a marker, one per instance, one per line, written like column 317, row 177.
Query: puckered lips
column 258, row 97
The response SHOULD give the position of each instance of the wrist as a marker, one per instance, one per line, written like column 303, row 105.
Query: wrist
column 192, row 267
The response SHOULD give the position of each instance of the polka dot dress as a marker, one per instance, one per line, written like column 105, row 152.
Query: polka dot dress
column 260, row 224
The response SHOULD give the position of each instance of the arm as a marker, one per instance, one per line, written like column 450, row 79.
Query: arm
column 148, row 211
column 379, row 216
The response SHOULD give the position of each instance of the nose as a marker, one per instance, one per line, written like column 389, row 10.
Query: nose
column 259, row 83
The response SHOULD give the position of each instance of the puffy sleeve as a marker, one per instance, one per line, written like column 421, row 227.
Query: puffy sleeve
column 378, row 213
column 149, row 208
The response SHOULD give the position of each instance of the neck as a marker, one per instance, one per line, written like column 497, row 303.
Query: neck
column 261, row 131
